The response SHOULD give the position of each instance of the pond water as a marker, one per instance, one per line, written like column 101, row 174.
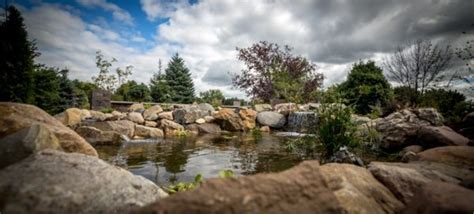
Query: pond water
column 167, row 161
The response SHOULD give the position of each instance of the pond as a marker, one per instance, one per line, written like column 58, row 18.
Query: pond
column 167, row 161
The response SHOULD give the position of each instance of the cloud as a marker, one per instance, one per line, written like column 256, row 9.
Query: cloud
column 118, row 13
column 161, row 8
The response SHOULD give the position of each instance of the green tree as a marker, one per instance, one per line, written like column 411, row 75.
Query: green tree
column 212, row 96
column 138, row 93
column 104, row 80
column 47, row 87
column 83, row 92
column 17, row 55
column 122, row 92
column 179, row 79
column 366, row 87
column 160, row 91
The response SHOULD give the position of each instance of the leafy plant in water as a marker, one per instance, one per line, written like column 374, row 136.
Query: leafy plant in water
column 256, row 133
column 182, row 133
column 184, row 186
column 226, row 173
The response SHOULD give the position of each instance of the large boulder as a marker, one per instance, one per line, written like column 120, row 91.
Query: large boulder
column 263, row 107
column 125, row 127
column 187, row 114
column 206, row 108
column 433, row 136
column 403, row 179
column 248, row 117
column 170, row 127
column 71, row 116
column 148, row 132
column 209, row 128
column 228, row 119
column 16, row 116
column 96, row 136
column 358, row 191
column 21, row 144
column 271, row 119
column 286, row 108
column 441, row 197
column 136, row 107
column 460, row 156
column 152, row 112
column 119, row 115
column 135, row 117
column 301, row 189
column 431, row 115
column 168, row 115
column 57, row 182
column 97, row 115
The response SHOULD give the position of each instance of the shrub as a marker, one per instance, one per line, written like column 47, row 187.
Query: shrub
column 106, row 110
column 184, row 186
column 365, row 86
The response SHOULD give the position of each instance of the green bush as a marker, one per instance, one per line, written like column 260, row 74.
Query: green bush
column 106, row 110
column 365, row 87
column 335, row 128
column 184, row 186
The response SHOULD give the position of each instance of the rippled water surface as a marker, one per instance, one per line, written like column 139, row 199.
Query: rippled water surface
column 167, row 161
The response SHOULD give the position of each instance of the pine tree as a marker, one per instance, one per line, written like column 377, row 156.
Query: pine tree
column 179, row 80
column 17, row 55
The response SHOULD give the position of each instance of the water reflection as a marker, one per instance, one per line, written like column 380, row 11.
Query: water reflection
column 166, row 161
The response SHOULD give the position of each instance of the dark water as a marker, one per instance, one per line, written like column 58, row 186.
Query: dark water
column 167, row 161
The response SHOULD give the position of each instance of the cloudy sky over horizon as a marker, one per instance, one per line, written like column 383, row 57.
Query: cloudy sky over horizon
column 333, row 34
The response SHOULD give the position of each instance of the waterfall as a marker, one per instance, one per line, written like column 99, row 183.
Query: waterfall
column 301, row 121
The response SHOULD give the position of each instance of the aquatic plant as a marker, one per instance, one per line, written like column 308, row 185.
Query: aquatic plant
column 184, row 186
column 226, row 173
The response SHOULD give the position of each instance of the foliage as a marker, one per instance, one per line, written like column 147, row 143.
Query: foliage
column 104, row 80
column 287, row 88
column 419, row 65
column 138, row 93
column 182, row 133
column 230, row 101
column 83, row 92
column 212, row 96
column 258, row 79
column 160, row 91
column 446, row 102
column 179, row 80
column 17, row 56
column 365, row 86
column 106, row 110
column 335, row 128
column 123, row 74
column 405, row 95
column 183, row 186
column 256, row 133
column 330, row 95
column 226, row 173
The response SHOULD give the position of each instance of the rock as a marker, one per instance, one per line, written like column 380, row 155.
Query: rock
column 412, row 148
column 403, row 179
column 166, row 115
column 345, row 156
column 409, row 153
column 358, row 191
column 96, row 136
column 460, row 156
column 170, row 127
column 271, row 119
column 431, row 115
column 286, row 108
column 150, row 123
column 192, row 128
column 97, row 115
column 119, row 115
column 302, row 121
column 432, row 136
column 70, row 117
column 248, row 117
column 301, row 189
column 409, row 156
column 136, row 117
column 303, row 107
column 110, row 116
column 148, row 132
column 359, row 120
column 209, row 128
column 206, row 108
column 441, row 197
column 85, row 114
column 229, row 120
column 263, row 107
column 313, row 106
column 200, row 121
column 265, row 129
column 136, row 107
column 468, row 120
column 125, row 127
column 57, row 182
column 188, row 114
column 152, row 112
column 21, row 144
column 16, row 116
column 209, row 119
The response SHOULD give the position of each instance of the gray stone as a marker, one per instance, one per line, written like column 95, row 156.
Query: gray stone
column 136, row 117
column 148, row 132
column 124, row 127
column 271, row 119
column 187, row 114
column 152, row 112
column 432, row 136
column 263, row 107
column 286, row 108
column 96, row 136
column 206, row 108
column 209, row 128
column 57, row 182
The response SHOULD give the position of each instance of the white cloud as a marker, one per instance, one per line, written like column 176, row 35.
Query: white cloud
column 118, row 13
column 161, row 8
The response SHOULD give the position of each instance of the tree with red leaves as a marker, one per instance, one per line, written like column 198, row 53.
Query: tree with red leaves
column 265, row 62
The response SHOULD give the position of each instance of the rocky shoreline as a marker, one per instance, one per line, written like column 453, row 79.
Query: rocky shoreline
column 48, row 164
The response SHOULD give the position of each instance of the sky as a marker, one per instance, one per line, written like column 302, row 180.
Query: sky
column 333, row 34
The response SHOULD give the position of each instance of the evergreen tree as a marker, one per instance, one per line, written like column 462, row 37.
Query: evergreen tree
column 17, row 55
column 179, row 80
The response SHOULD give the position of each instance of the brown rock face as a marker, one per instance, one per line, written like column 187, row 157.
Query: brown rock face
column 441, row 197
column 170, row 127
column 460, row 156
column 301, row 189
column 228, row 119
column 358, row 191
column 286, row 108
column 70, row 117
column 19, row 145
column 209, row 128
column 124, row 127
column 152, row 112
column 432, row 136
column 96, row 136
column 148, row 132
column 16, row 116
column 136, row 117
column 248, row 117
